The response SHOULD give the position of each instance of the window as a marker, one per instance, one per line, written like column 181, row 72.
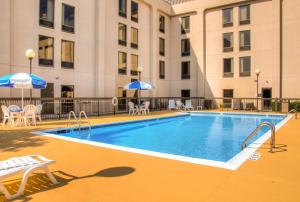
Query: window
column 162, row 24
column 185, row 25
column 134, row 65
column 68, row 18
column 47, row 13
column 161, row 46
column 67, row 54
column 67, row 91
column 185, row 70
column 134, row 37
column 228, row 42
column 244, row 14
column 46, row 50
column 134, row 11
column 185, row 47
column 245, row 66
column 185, row 93
column 122, row 34
column 227, row 93
column 245, row 40
column 228, row 67
column 162, row 69
column 122, row 63
column 123, row 8
column 227, row 17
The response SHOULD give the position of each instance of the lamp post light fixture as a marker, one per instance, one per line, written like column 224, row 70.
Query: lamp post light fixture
column 30, row 54
column 257, row 72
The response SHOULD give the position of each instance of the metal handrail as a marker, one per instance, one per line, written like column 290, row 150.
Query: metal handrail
column 295, row 111
column 260, row 126
column 70, row 116
column 84, row 114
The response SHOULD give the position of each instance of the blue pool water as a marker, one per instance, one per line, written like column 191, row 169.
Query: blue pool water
column 212, row 136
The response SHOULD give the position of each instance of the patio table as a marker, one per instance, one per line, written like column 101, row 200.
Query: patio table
column 18, row 114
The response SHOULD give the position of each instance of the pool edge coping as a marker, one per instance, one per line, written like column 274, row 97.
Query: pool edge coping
column 232, row 164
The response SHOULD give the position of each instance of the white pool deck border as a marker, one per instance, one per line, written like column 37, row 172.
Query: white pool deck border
column 233, row 164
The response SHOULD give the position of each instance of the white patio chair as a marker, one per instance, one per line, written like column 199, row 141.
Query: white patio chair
column 188, row 105
column 179, row 105
column 171, row 105
column 26, row 165
column 145, row 108
column 38, row 112
column 29, row 114
column 6, row 115
column 132, row 109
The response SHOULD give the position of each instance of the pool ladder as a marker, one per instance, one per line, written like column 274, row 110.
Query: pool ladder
column 295, row 111
column 259, row 127
column 78, row 121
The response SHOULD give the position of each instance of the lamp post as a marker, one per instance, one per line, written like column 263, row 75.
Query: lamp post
column 30, row 54
column 257, row 72
column 139, row 70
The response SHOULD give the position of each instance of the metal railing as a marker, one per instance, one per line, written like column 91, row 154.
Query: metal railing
column 59, row 108
column 74, row 116
column 295, row 111
column 259, row 127
column 85, row 116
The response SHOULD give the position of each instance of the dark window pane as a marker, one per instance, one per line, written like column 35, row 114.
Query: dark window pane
column 228, row 67
column 161, row 46
column 185, row 93
column 227, row 42
column 162, row 24
column 244, row 14
column 161, row 69
column 185, row 25
column 185, row 47
column 47, row 13
column 46, row 50
column 67, row 54
column 185, row 70
column 123, row 8
column 122, row 62
column 134, row 37
column 68, row 18
column 134, row 11
column 227, row 17
column 245, row 66
column 122, row 34
column 245, row 40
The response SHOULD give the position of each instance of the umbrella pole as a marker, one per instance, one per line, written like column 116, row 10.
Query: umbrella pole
column 22, row 98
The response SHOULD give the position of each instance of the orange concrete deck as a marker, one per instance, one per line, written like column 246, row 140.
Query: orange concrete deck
column 89, row 173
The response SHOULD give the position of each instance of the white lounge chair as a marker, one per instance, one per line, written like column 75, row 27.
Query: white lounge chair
column 188, row 105
column 29, row 114
column 132, row 109
column 6, row 115
column 26, row 165
column 171, row 105
column 179, row 105
column 38, row 112
column 145, row 109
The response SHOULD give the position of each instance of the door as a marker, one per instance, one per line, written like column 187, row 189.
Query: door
column 47, row 96
column 67, row 92
column 227, row 93
column 122, row 94
column 267, row 98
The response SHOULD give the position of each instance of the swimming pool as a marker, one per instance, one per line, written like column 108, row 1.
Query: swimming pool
column 205, row 138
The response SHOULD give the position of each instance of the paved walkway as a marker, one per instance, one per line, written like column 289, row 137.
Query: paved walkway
column 88, row 173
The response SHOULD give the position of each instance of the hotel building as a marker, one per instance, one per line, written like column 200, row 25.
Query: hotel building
column 197, row 48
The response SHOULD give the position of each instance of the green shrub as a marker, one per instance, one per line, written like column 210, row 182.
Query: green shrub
column 276, row 106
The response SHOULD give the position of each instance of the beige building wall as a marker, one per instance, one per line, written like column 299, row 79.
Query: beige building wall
column 96, row 47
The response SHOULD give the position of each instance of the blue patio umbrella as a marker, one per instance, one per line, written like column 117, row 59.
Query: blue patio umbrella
column 138, row 85
column 23, row 81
